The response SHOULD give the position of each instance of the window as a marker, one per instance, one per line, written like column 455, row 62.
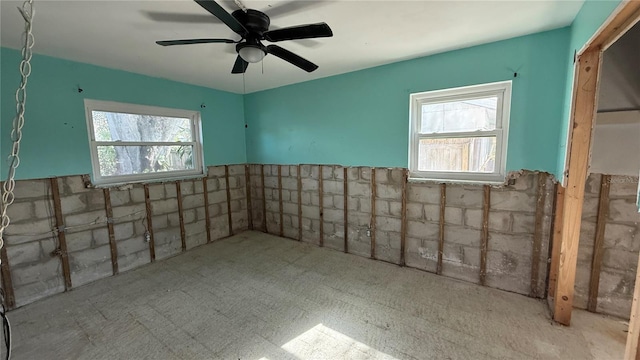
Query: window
column 131, row 143
column 460, row 134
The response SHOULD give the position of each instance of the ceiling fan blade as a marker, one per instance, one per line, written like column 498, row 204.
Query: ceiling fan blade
column 291, row 7
column 240, row 66
column 180, row 18
column 222, row 14
column 299, row 32
column 194, row 41
column 292, row 58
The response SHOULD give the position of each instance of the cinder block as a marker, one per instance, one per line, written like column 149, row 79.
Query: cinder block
column 217, row 197
column 79, row 240
column 123, row 231
column 453, row 215
column 382, row 207
column 365, row 173
column 73, row 203
column 130, row 211
column 36, row 272
column 189, row 216
column 100, row 237
column 622, row 237
column 619, row 259
column 132, row 261
column 364, row 205
column 31, row 189
column 396, row 176
column 72, row 184
column 353, row 173
column 192, row 201
column 471, row 197
column 213, row 184
column 592, row 185
column 473, row 218
column 186, row 187
column 121, row 197
column 432, row 213
column 384, row 223
column 423, row 193
column 421, row 230
column 623, row 186
column 19, row 211
column 515, row 243
column 236, row 170
column 382, row 175
column 333, row 187
column 89, row 257
column 156, row 192
column 523, row 223
column 395, row 208
column 215, row 171
column 624, row 210
column 24, row 253
column 309, row 184
column 513, row 201
column 309, row 171
column 332, row 215
column 137, row 194
column 359, row 189
column 170, row 190
column 385, row 191
column 290, row 208
column 461, row 235
column 198, row 187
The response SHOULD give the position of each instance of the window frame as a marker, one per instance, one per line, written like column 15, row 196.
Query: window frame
column 127, row 108
column 500, row 89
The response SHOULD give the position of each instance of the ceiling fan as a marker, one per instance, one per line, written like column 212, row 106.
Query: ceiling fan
column 253, row 27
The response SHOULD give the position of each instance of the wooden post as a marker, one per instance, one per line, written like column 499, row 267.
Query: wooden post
column 583, row 113
column 598, row 244
column 280, row 200
column 205, row 189
column 226, row 178
column 372, row 224
column 403, row 218
column 7, row 282
column 631, row 351
column 62, row 240
column 247, row 181
column 443, row 203
column 320, row 200
column 556, row 239
column 112, row 236
column 147, row 201
column 299, row 203
column 537, row 235
column 484, row 240
column 264, row 201
column 346, row 216
column 183, row 238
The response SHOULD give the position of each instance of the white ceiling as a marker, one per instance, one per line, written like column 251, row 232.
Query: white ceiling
column 121, row 34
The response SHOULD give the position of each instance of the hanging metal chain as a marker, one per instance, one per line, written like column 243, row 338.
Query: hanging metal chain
column 18, row 121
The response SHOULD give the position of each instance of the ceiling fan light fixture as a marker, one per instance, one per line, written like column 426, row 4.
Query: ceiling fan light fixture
column 252, row 54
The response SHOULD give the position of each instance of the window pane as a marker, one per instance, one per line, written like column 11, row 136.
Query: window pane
column 130, row 160
column 462, row 115
column 112, row 126
column 475, row 154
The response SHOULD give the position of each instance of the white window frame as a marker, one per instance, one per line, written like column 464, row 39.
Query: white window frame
column 117, row 107
column 500, row 89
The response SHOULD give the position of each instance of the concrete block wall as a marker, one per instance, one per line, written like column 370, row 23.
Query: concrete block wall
column 620, row 250
column 512, row 229
column 289, row 179
column 35, row 267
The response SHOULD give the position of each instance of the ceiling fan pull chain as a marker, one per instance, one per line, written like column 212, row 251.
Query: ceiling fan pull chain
column 16, row 133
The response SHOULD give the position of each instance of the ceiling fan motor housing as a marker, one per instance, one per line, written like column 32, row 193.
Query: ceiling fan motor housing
column 255, row 21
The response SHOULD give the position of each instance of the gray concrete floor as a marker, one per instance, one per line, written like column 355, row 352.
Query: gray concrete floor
column 256, row 296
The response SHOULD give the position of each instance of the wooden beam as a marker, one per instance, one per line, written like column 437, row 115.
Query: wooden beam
column 556, row 239
column 320, row 205
column 280, row 200
column 112, row 236
column 484, row 239
column 403, row 218
column 229, row 218
column 345, row 192
column 62, row 239
column 247, row 182
column 582, row 122
column 7, row 282
column 299, row 203
column 372, row 223
column 627, row 16
column 183, row 237
column 598, row 243
column 537, row 235
column 205, row 189
column 147, row 201
column 264, row 201
column 443, row 204
column 631, row 351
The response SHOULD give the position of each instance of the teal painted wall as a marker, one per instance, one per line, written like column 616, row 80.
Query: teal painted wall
column 590, row 17
column 55, row 141
column 362, row 118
